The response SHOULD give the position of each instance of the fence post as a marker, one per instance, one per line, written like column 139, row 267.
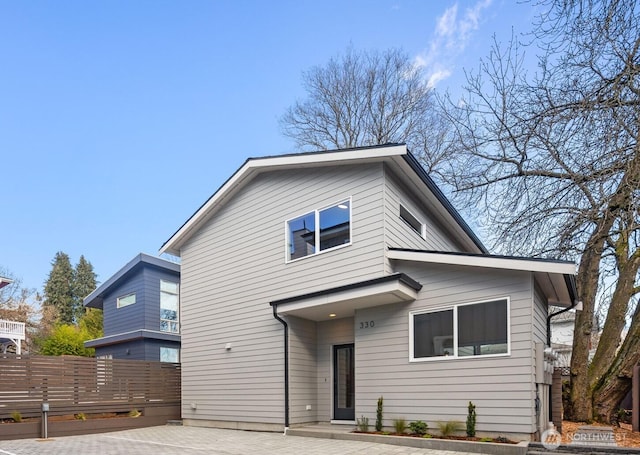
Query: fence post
column 556, row 399
column 76, row 385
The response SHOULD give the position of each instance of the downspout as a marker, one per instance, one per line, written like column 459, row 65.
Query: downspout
column 286, row 366
column 574, row 303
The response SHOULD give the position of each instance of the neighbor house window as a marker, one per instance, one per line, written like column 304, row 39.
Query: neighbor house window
column 171, row 355
column 125, row 300
column 169, row 307
column 412, row 221
column 474, row 329
column 319, row 230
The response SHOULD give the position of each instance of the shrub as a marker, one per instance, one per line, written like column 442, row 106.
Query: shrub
column 449, row 427
column 418, row 427
column 400, row 425
column 16, row 416
column 80, row 416
column 134, row 413
column 486, row 439
column 379, row 415
column 363, row 424
column 67, row 339
column 471, row 420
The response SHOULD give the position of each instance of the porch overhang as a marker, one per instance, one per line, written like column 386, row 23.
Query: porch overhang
column 343, row 301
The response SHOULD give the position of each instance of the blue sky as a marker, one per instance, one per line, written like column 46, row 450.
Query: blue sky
column 118, row 119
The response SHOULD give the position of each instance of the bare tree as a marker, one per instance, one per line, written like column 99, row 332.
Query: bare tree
column 553, row 163
column 367, row 98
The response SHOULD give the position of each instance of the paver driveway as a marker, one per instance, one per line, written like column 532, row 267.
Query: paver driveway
column 178, row 440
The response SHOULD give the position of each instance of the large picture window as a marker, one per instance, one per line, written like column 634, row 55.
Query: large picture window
column 474, row 329
column 319, row 230
column 169, row 307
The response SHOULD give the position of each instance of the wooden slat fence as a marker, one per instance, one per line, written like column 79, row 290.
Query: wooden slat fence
column 81, row 384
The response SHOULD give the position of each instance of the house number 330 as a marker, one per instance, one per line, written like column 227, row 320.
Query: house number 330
column 367, row 324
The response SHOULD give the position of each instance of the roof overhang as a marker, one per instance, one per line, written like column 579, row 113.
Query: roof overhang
column 125, row 337
column 5, row 282
column 343, row 301
column 95, row 299
column 555, row 278
column 396, row 155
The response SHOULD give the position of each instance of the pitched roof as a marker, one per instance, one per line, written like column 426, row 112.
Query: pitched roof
column 396, row 155
column 4, row 282
column 95, row 299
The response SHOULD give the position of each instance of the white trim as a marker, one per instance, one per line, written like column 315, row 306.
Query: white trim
column 455, row 355
column 492, row 262
column 252, row 166
column 316, row 212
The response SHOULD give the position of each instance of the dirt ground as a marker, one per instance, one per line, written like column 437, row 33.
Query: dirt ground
column 623, row 434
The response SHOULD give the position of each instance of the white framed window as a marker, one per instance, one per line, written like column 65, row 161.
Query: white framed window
column 171, row 355
column 413, row 221
column 462, row 331
column 319, row 230
column 126, row 300
column 169, row 307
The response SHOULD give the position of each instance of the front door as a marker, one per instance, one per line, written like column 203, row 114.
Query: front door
column 343, row 382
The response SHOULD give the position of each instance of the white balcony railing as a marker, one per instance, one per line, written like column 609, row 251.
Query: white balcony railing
column 12, row 330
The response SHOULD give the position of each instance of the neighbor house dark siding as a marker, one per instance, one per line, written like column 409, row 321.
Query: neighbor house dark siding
column 131, row 317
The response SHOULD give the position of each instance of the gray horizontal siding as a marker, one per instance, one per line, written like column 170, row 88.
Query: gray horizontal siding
column 235, row 265
column 439, row 390
column 398, row 233
column 302, row 370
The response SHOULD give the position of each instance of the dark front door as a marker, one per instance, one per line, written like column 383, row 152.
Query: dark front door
column 343, row 382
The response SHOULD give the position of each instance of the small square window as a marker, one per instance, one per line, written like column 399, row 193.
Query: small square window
column 171, row 355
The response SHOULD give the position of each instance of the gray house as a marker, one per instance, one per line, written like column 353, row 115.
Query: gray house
column 312, row 284
column 141, row 310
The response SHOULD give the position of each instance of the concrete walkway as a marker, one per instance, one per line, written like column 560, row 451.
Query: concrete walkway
column 178, row 440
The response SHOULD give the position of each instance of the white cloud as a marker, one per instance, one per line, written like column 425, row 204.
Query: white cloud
column 451, row 36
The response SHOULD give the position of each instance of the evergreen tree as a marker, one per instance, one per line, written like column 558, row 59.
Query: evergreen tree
column 58, row 290
column 84, row 283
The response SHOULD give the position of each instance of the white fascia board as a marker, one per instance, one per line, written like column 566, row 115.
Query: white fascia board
column 564, row 268
column 254, row 165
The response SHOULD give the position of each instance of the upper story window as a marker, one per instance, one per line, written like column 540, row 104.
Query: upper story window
column 169, row 307
column 473, row 329
column 412, row 221
column 319, row 230
column 125, row 300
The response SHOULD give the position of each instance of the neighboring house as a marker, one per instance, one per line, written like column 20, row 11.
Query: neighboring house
column 11, row 333
column 315, row 283
column 141, row 311
column 562, row 337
